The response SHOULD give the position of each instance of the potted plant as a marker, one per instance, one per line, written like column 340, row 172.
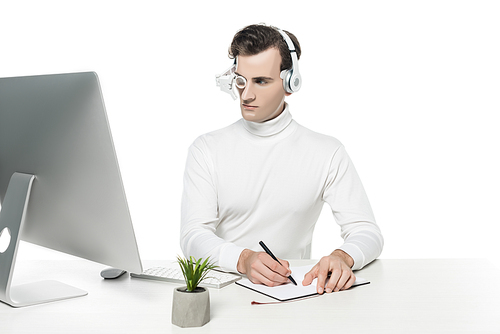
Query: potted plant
column 191, row 304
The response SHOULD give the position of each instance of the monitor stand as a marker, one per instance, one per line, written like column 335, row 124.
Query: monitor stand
column 12, row 216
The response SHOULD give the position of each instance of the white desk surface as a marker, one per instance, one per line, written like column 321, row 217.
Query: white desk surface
column 405, row 296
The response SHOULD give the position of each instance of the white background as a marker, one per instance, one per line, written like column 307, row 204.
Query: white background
column 411, row 88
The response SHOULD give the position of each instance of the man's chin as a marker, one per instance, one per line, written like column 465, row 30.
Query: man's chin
column 250, row 116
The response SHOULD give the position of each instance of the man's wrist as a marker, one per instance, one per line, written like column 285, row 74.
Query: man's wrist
column 344, row 256
column 245, row 254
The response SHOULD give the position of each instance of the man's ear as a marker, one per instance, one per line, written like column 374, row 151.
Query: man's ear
column 288, row 94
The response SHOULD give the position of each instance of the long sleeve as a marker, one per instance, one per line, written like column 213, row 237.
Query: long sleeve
column 346, row 196
column 199, row 212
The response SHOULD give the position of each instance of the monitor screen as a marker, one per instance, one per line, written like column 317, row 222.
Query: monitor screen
column 55, row 127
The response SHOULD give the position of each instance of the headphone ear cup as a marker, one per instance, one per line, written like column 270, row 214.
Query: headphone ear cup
column 286, row 75
column 291, row 82
column 295, row 82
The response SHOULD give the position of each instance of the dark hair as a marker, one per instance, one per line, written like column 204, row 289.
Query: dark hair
column 257, row 38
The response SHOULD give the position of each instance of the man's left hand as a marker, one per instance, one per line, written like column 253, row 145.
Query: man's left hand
column 338, row 264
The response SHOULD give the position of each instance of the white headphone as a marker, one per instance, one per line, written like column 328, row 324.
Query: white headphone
column 291, row 78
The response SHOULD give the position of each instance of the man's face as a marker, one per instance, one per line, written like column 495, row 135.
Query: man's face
column 263, row 97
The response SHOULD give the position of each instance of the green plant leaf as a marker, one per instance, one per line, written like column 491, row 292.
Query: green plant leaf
column 194, row 271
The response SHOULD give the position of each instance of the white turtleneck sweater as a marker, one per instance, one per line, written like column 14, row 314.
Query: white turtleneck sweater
column 268, row 181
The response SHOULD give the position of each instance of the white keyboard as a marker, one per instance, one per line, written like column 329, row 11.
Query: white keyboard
column 215, row 279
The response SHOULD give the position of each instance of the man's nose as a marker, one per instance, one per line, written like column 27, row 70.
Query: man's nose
column 247, row 93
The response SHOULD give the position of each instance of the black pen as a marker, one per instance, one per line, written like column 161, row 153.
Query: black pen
column 268, row 251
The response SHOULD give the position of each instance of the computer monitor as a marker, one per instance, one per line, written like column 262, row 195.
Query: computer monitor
column 60, row 184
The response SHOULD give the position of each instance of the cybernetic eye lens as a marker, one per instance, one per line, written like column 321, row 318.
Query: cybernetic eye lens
column 240, row 82
column 225, row 81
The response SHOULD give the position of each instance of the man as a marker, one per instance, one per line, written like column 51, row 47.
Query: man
column 266, row 178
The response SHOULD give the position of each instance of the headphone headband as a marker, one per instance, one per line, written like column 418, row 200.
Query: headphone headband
column 292, row 80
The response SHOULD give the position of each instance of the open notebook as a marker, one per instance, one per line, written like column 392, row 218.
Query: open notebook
column 289, row 291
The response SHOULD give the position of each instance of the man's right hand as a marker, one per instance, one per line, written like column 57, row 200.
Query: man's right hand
column 260, row 268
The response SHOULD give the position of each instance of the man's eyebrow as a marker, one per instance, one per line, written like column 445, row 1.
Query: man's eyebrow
column 263, row 78
column 256, row 78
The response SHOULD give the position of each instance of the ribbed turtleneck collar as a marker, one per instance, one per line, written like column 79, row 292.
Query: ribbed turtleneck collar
column 271, row 127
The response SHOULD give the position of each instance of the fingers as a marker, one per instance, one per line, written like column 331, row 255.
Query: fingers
column 285, row 264
column 265, row 270
column 282, row 269
column 350, row 282
column 340, row 280
column 323, row 270
column 341, row 275
column 258, row 278
column 310, row 276
column 272, row 270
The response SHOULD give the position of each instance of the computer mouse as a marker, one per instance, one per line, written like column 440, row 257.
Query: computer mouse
column 110, row 273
